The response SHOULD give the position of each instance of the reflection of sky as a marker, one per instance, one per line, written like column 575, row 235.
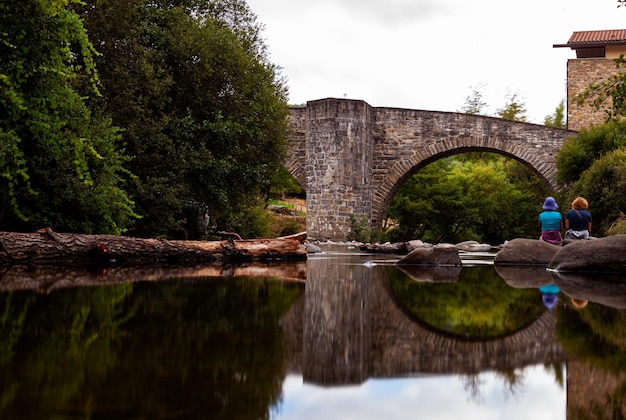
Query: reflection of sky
column 438, row 397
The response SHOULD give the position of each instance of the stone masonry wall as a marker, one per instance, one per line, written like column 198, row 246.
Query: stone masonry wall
column 338, row 166
column 582, row 72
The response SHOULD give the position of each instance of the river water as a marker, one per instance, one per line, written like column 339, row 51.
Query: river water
column 344, row 335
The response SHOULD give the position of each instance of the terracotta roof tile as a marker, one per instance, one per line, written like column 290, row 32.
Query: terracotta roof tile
column 599, row 38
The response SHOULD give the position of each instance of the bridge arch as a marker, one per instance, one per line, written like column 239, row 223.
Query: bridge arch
column 392, row 181
column 353, row 157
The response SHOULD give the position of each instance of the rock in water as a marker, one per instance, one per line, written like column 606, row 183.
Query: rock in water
column 440, row 254
column 599, row 255
column 521, row 251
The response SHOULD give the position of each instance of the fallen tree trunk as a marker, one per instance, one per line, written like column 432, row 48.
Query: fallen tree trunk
column 48, row 247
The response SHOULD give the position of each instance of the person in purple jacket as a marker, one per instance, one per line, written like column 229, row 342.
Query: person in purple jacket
column 551, row 222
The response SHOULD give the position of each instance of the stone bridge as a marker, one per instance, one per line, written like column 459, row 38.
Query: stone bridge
column 349, row 327
column 351, row 158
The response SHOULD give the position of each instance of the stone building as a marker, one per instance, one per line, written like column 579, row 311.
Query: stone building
column 596, row 52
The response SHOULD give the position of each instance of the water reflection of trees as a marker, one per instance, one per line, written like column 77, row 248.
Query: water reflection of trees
column 594, row 336
column 145, row 350
column 479, row 305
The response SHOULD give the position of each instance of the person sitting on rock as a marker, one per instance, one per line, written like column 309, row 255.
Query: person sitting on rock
column 578, row 220
column 551, row 222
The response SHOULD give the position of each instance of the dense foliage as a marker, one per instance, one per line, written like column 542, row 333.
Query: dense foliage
column 203, row 111
column 593, row 165
column 60, row 164
column 579, row 152
column 604, row 186
column 478, row 196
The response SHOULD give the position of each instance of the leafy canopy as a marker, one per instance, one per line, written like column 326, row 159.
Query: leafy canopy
column 60, row 163
column 580, row 151
column 479, row 196
column 203, row 110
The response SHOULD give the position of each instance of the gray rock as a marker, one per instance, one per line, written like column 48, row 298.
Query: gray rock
column 599, row 255
column 521, row 251
column 438, row 255
column 386, row 248
column 473, row 246
column 312, row 248
column 414, row 244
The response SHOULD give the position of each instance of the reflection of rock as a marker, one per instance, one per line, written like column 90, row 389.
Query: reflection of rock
column 447, row 274
column 599, row 255
column 526, row 252
column 524, row 277
column 437, row 255
column 604, row 288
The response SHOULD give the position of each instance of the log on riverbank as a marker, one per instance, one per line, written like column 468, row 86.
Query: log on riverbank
column 48, row 247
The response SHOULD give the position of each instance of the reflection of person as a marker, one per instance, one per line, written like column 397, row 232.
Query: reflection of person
column 551, row 222
column 579, row 303
column 578, row 220
column 549, row 294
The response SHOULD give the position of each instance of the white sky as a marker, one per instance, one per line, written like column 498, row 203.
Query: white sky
column 429, row 54
column 537, row 397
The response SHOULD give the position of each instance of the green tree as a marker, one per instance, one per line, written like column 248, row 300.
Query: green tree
column 60, row 165
column 580, row 151
column 474, row 103
column 285, row 184
column 604, row 186
column 514, row 109
column 478, row 196
column 204, row 112
column 558, row 118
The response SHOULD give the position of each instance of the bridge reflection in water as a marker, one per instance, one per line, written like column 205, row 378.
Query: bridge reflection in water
column 349, row 327
column 353, row 329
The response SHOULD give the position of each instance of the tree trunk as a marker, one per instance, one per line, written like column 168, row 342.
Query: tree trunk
column 48, row 247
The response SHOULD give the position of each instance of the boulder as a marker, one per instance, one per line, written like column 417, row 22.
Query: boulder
column 521, row 251
column 473, row 246
column 386, row 248
column 600, row 255
column 437, row 255
column 414, row 244
column 312, row 248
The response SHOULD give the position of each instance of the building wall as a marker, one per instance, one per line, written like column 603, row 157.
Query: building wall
column 582, row 72
column 614, row 51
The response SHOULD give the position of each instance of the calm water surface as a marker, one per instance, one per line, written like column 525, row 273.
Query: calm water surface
column 345, row 335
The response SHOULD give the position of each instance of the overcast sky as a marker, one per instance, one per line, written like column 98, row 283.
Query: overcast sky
column 535, row 396
column 429, row 54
